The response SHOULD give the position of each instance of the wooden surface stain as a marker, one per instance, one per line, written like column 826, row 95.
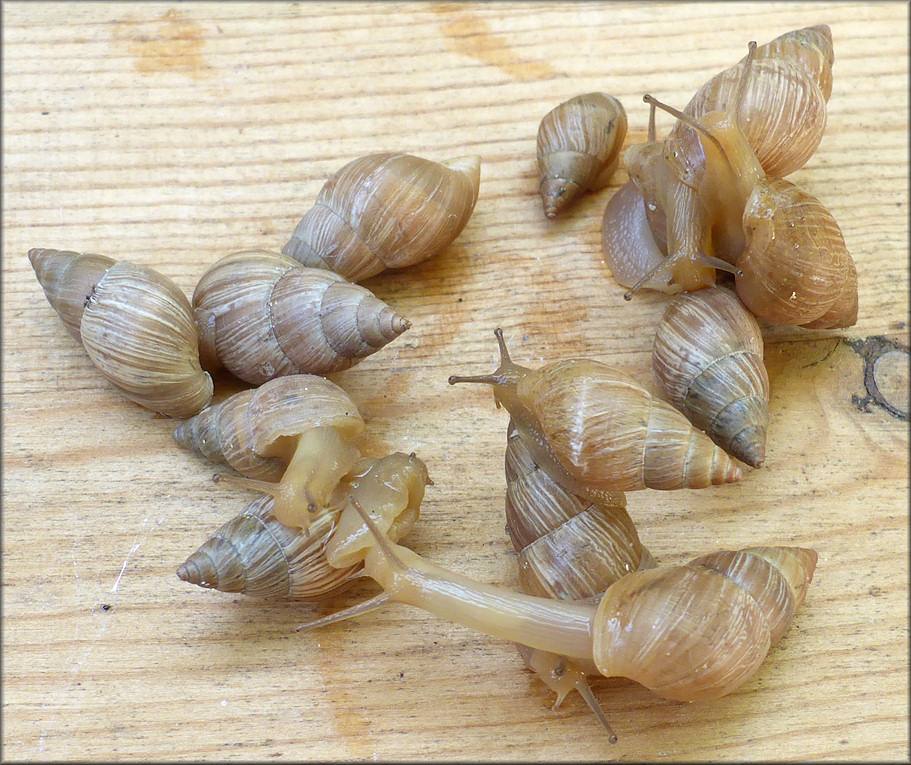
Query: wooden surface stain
column 171, row 43
column 470, row 35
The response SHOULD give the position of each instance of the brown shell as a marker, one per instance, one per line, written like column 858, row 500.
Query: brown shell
column 135, row 324
column 386, row 211
column 707, row 358
column 262, row 315
column 699, row 631
column 252, row 430
column 796, row 267
column 578, row 148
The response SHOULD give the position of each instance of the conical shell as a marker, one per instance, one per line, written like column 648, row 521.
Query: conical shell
column 707, row 358
column 254, row 431
column 699, row 631
column 135, row 324
column 256, row 555
column 386, row 211
column 609, row 433
column 796, row 267
column 262, row 315
column 578, row 148
column 569, row 548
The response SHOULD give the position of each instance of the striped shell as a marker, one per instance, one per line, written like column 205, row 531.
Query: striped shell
column 262, row 315
column 135, row 324
column 386, row 211
column 254, row 431
column 578, row 148
column 707, row 358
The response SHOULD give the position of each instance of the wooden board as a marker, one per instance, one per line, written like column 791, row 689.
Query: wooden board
column 170, row 135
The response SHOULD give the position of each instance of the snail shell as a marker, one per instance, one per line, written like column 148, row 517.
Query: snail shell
column 386, row 211
column 579, row 148
column 256, row 555
column 261, row 315
column 796, row 267
column 568, row 547
column 595, row 430
column 135, row 324
column 253, row 430
column 707, row 358
column 698, row 631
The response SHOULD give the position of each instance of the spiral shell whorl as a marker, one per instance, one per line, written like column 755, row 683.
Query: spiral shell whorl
column 386, row 211
column 707, row 358
column 578, row 148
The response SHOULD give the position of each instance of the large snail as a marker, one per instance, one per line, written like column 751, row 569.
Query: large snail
column 296, row 430
column 596, row 430
column 135, row 324
column 386, row 211
column 707, row 358
column 261, row 315
column 578, row 148
column 256, row 555
column 691, row 632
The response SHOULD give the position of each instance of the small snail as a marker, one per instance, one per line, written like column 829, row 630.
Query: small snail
column 578, row 148
column 386, row 211
column 135, row 324
column 256, row 555
column 568, row 548
column 707, row 358
column 296, row 429
column 689, row 633
column 596, row 430
column 262, row 314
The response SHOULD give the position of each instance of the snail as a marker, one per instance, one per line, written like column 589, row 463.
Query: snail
column 578, row 148
column 386, row 211
column 707, row 358
column 568, row 548
column 295, row 430
column 257, row 555
column 135, row 324
column 596, row 430
column 262, row 314
column 690, row 632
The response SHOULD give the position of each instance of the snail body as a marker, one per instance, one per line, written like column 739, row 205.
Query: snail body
column 595, row 430
column 135, row 324
column 386, row 211
column 707, row 358
column 261, row 315
column 256, row 555
column 578, row 148
column 689, row 633
column 293, row 430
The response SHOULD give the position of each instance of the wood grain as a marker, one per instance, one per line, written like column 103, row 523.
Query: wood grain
column 171, row 135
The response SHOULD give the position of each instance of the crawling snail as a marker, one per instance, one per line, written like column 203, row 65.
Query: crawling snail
column 256, row 555
column 578, row 148
column 386, row 211
column 568, row 548
column 293, row 430
column 135, row 324
column 595, row 430
column 261, row 315
column 707, row 358
column 689, row 633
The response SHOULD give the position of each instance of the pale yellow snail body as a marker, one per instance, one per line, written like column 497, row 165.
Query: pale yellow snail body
column 262, row 315
column 596, row 430
column 256, row 555
column 386, row 211
column 707, row 358
column 578, row 148
column 690, row 633
column 296, row 430
column 135, row 324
